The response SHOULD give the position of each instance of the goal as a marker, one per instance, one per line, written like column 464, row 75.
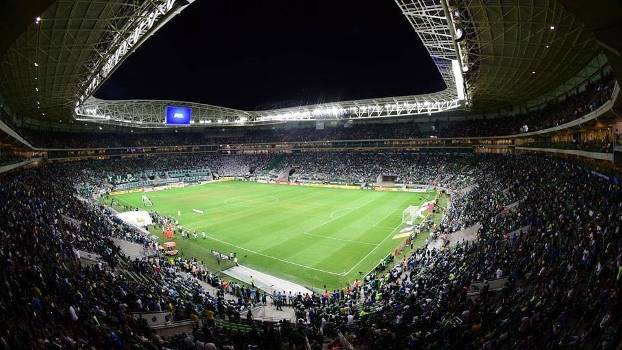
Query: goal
column 410, row 214
column 146, row 201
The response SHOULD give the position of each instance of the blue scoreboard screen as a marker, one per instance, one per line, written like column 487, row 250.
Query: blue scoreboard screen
column 178, row 115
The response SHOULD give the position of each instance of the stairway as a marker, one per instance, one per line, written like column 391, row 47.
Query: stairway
column 275, row 162
column 284, row 174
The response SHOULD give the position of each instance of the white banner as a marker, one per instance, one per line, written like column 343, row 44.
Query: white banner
column 138, row 218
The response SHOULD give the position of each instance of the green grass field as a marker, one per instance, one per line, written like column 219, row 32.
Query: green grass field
column 313, row 236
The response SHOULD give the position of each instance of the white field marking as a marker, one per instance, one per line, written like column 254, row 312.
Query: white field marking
column 232, row 201
column 420, row 223
column 310, row 234
column 338, row 239
column 225, row 217
column 306, row 232
column 384, row 217
column 349, row 209
column 272, row 257
column 376, row 247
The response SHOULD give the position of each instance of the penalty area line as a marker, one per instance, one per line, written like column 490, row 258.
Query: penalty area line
column 272, row 257
column 373, row 250
column 338, row 239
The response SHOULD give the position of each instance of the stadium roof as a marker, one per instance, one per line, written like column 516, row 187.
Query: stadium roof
column 70, row 48
column 514, row 50
column 520, row 50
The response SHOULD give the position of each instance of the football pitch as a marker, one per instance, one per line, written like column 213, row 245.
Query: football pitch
column 312, row 236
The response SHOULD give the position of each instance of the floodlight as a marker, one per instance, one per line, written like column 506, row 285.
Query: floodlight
column 459, row 35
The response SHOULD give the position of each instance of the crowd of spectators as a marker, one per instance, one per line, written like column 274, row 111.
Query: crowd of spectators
column 553, row 114
column 8, row 158
column 50, row 300
column 408, row 168
column 564, row 271
column 99, row 174
column 550, row 230
column 436, row 169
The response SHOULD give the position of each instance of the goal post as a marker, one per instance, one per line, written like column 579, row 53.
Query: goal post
column 410, row 214
column 146, row 201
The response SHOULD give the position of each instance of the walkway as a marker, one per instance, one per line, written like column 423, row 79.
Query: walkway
column 265, row 282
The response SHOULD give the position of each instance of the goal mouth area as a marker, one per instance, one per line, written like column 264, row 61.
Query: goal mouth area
column 410, row 214
column 146, row 201
column 414, row 212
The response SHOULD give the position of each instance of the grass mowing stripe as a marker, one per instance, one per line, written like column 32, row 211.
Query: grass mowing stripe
column 234, row 214
column 272, row 257
column 345, row 229
column 332, row 219
column 376, row 247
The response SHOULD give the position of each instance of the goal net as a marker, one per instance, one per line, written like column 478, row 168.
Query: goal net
column 146, row 201
column 410, row 214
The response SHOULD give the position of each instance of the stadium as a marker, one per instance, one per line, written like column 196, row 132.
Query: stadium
column 407, row 174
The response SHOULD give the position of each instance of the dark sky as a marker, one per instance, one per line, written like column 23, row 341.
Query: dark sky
column 265, row 53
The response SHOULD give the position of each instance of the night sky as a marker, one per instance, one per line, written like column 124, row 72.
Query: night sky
column 277, row 53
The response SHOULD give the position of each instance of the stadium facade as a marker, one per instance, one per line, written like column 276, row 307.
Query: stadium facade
column 499, row 62
column 513, row 241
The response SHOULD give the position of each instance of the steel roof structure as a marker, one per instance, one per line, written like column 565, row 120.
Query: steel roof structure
column 70, row 49
column 428, row 18
column 520, row 50
column 509, row 51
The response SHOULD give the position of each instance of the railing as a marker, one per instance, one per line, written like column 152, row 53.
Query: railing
column 12, row 166
column 587, row 154
column 346, row 344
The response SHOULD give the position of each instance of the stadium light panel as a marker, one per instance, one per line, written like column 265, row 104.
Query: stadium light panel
column 459, row 34
column 457, row 70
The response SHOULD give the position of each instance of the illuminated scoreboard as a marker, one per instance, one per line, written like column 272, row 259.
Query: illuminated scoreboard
column 178, row 115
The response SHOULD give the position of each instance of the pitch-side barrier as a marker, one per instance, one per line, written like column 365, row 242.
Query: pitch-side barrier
column 398, row 188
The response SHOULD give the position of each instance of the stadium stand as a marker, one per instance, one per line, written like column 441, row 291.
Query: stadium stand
column 562, row 272
column 523, row 143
